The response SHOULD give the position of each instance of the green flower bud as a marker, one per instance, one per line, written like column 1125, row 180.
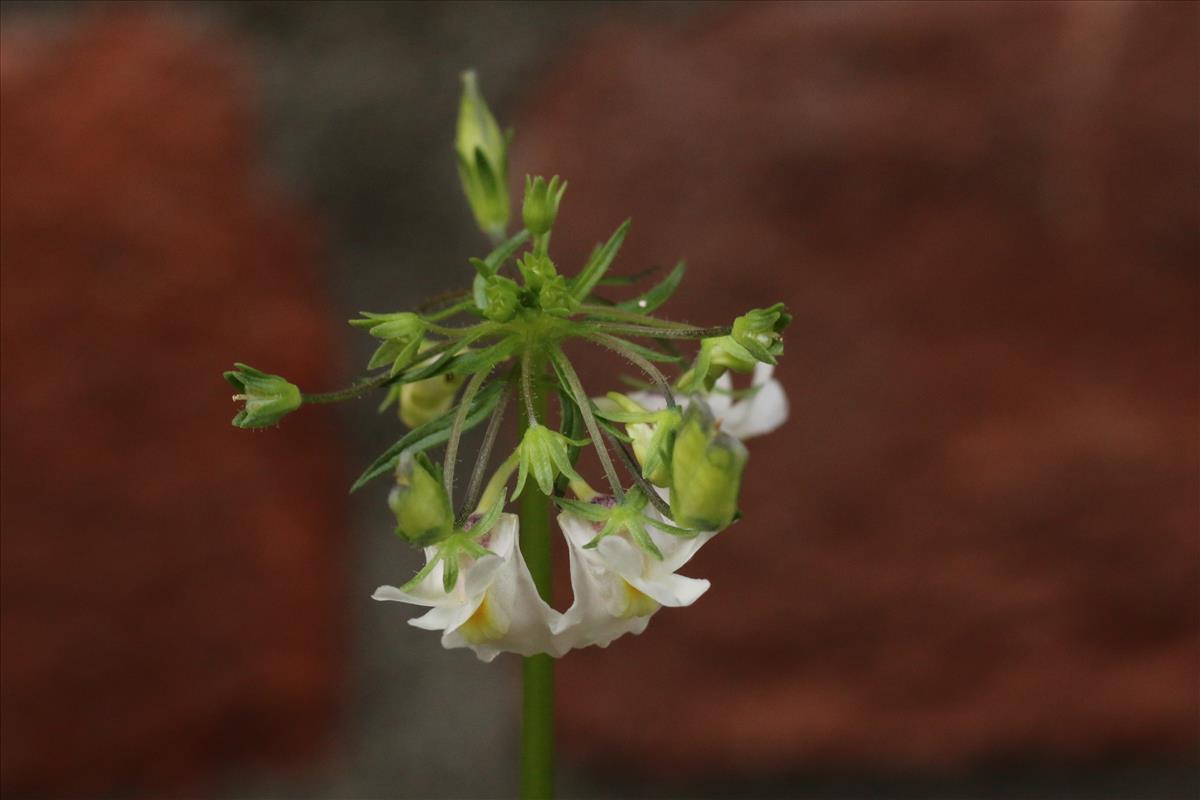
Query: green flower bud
column 706, row 471
column 419, row 502
column 482, row 151
column 536, row 268
column 544, row 453
column 555, row 297
column 425, row 401
column 541, row 203
column 501, row 298
column 759, row 332
column 267, row 398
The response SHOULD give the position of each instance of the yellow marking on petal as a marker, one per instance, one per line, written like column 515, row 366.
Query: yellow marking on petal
column 636, row 602
column 487, row 624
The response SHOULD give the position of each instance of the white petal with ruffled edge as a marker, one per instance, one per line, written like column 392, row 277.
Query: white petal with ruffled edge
column 493, row 608
column 618, row 587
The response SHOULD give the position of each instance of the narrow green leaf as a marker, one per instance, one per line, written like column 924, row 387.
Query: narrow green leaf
column 628, row 280
column 658, row 294
column 599, row 262
column 431, row 434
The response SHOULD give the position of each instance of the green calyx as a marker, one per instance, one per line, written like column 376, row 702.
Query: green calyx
column 757, row 336
column 266, row 398
column 543, row 453
column 462, row 542
column 760, row 332
column 403, row 334
column 540, row 208
column 706, row 471
column 626, row 517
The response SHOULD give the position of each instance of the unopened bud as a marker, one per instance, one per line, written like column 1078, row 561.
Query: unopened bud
column 706, row 471
column 555, row 298
column 536, row 268
column 502, row 298
column 482, row 151
column 424, row 401
column 541, row 203
column 419, row 502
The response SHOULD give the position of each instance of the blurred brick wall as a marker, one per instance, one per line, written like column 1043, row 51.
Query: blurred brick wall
column 168, row 582
column 976, row 539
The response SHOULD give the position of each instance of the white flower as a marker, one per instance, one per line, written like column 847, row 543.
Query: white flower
column 493, row 607
column 763, row 410
column 618, row 586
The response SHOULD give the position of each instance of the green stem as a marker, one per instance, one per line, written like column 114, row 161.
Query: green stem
column 537, row 706
column 632, row 317
column 460, row 419
column 652, row 372
column 589, row 421
column 661, row 333
column 357, row 389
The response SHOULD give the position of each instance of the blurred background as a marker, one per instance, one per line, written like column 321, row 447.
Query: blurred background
column 970, row 561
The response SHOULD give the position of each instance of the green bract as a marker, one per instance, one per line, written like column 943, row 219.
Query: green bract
column 267, row 398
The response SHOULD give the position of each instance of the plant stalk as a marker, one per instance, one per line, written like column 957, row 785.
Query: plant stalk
column 537, row 706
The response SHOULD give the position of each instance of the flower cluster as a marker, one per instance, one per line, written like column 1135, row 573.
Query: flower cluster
column 460, row 361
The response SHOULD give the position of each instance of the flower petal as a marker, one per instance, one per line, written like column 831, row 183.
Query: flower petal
column 604, row 608
column 760, row 413
column 494, row 608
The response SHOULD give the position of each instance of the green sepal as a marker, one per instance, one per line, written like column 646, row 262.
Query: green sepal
column 543, row 452
column 599, row 262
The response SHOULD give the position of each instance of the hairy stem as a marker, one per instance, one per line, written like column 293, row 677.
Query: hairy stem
column 631, row 464
column 460, row 418
column 632, row 317
column 661, row 333
column 652, row 372
column 589, row 420
column 481, row 460
column 527, row 385
column 356, row 389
